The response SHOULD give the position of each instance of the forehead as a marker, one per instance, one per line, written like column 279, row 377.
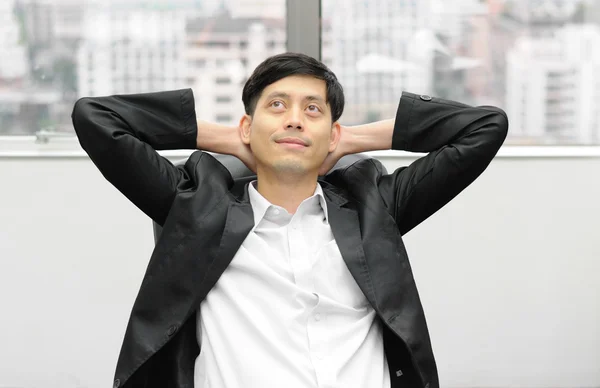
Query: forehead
column 298, row 86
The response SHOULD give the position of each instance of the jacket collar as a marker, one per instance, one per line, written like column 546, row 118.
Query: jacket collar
column 343, row 218
column 333, row 195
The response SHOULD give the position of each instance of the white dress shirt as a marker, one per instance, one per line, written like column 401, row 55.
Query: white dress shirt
column 287, row 312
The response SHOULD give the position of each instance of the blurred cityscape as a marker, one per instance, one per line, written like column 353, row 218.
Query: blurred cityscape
column 537, row 59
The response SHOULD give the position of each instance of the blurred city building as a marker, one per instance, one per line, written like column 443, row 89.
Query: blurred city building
column 536, row 59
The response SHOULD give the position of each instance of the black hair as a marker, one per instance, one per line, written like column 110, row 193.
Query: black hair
column 284, row 65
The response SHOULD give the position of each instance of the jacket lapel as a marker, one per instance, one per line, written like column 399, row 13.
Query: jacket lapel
column 239, row 222
column 346, row 230
column 344, row 226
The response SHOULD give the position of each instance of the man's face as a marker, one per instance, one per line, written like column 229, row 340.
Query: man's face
column 291, row 110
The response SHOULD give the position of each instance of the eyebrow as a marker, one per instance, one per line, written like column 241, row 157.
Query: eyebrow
column 287, row 96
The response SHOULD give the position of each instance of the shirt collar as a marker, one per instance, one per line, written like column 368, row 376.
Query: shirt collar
column 260, row 204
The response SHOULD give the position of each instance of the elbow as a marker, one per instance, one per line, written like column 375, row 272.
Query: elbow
column 498, row 124
column 84, row 118
column 80, row 115
column 501, row 125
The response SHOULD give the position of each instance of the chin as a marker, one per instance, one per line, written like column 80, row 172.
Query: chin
column 294, row 167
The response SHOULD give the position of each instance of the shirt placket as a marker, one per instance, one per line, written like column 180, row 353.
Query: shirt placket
column 300, row 251
column 318, row 341
column 298, row 255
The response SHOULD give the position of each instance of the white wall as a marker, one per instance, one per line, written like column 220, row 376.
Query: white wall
column 509, row 274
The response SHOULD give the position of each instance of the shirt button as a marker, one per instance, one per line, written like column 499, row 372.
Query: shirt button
column 276, row 212
column 317, row 316
column 425, row 97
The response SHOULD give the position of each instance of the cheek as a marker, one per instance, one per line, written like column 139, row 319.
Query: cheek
column 259, row 139
column 325, row 141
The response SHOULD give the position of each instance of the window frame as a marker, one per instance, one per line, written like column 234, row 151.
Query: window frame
column 303, row 34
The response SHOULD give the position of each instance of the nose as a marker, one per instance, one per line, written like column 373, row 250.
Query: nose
column 294, row 119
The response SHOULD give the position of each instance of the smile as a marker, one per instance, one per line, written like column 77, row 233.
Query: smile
column 292, row 142
column 292, row 145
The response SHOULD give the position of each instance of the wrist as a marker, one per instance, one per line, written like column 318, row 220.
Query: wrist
column 351, row 143
column 369, row 137
column 216, row 138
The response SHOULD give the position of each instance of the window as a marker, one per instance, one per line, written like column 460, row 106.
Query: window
column 471, row 53
column 198, row 63
column 186, row 40
column 224, row 118
column 149, row 49
column 223, row 80
column 216, row 44
column 223, row 99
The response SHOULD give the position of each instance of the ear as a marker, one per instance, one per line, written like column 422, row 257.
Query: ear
column 245, row 128
column 336, row 133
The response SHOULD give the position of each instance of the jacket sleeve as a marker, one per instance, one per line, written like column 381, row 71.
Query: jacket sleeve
column 460, row 140
column 121, row 134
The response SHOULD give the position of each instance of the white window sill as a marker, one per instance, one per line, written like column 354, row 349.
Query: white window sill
column 26, row 147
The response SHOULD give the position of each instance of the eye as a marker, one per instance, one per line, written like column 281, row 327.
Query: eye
column 277, row 104
column 315, row 108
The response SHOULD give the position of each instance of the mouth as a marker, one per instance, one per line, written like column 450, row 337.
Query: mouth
column 294, row 143
column 293, row 146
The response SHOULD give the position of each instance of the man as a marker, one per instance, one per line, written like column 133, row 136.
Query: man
column 296, row 278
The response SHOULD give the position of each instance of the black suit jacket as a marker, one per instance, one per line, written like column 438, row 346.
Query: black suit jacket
column 206, row 215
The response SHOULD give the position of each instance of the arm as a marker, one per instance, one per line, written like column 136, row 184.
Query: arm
column 460, row 141
column 121, row 134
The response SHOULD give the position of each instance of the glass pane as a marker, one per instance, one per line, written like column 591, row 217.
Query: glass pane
column 538, row 60
column 55, row 51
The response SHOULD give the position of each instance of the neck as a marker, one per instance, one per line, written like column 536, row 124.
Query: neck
column 286, row 190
